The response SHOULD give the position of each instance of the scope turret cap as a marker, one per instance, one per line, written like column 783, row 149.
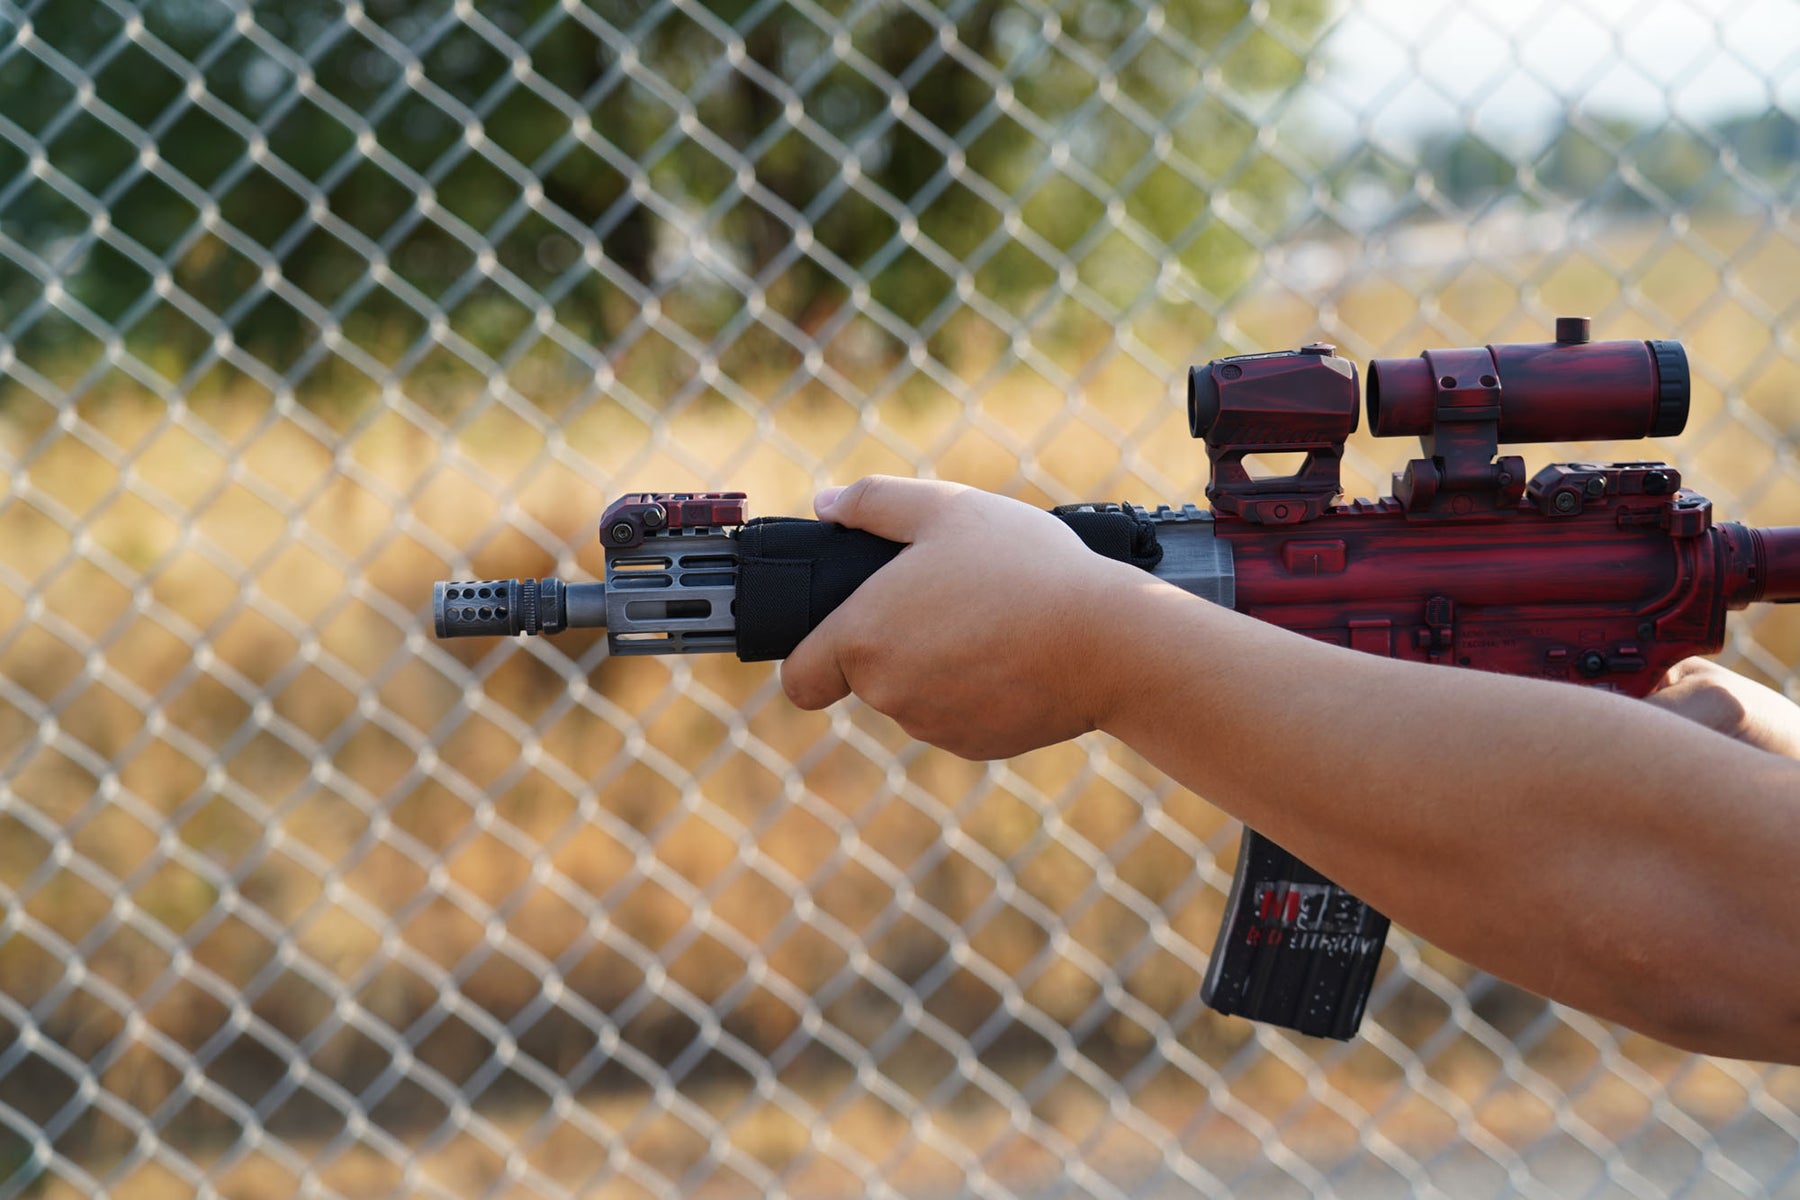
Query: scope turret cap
column 1573, row 331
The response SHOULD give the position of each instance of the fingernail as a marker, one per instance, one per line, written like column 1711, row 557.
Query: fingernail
column 826, row 499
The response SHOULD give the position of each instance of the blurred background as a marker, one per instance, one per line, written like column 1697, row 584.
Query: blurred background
column 305, row 305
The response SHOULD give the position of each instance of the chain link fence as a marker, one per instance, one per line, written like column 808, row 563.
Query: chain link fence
column 305, row 305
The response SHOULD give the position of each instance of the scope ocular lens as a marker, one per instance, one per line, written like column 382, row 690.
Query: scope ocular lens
column 1202, row 400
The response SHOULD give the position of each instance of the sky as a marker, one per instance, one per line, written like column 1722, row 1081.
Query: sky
column 1397, row 68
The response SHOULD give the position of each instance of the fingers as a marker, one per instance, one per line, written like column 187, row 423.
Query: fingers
column 896, row 509
column 811, row 676
column 1686, row 669
column 1683, row 699
column 1684, row 689
column 1702, row 692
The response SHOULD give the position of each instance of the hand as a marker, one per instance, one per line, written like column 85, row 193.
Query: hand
column 984, row 636
column 1703, row 691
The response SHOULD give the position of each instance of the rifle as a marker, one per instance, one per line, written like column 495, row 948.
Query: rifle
column 1602, row 574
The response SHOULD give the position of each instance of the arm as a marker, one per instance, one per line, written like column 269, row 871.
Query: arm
column 1598, row 850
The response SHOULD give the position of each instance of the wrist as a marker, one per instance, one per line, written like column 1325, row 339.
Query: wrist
column 1135, row 637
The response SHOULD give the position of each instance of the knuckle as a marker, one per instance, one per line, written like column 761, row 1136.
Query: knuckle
column 882, row 696
column 880, row 686
column 854, row 497
column 1697, row 670
column 923, row 727
column 803, row 686
column 793, row 685
column 1734, row 714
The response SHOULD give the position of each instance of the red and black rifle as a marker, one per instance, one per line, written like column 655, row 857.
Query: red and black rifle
column 1602, row 574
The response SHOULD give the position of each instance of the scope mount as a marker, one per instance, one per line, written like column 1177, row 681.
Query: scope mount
column 1462, row 469
column 1287, row 402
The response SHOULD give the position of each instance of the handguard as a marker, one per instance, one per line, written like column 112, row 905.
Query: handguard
column 691, row 573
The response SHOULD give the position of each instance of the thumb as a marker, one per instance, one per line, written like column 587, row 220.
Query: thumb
column 889, row 507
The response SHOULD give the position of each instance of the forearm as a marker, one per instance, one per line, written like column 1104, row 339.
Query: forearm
column 1586, row 846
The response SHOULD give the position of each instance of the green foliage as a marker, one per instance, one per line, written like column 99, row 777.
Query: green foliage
column 1665, row 166
column 314, row 172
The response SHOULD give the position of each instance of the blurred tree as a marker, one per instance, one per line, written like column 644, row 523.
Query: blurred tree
column 1767, row 146
column 1466, row 169
column 373, row 156
column 1579, row 164
column 1670, row 164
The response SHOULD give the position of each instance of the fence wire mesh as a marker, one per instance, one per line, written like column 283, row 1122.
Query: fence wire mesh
column 306, row 305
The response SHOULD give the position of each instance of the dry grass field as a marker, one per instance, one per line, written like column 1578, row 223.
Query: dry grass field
column 259, row 816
